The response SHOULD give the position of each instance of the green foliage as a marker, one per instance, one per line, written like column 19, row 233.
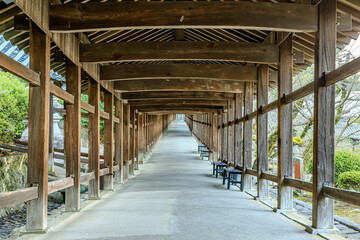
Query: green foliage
column 350, row 180
column 297, row 140
column 14, row 105
column 345, row 161
column 85, row 121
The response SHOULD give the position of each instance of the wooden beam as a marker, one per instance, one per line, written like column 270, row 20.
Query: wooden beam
column 178, row 108
column 126, row 141
column 60, row 184
column 179, row 85
column 38, row 150
column 61, row 93
column 247, row 134
column 175, row 71
column 324, row 117
column 94, row 139
column 109, row 140
column 19, row 70
column 18, row 196
column 72, row 136
column 285, row 130
column 132, row 139
column 262, row 131
column 177, row 101
column 194, row 95
column 87, row 107
column 179, row 51
column 150, row 15
column 238, row 129
column 119, row 140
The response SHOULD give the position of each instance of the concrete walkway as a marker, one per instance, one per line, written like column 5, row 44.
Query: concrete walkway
column 175, row 196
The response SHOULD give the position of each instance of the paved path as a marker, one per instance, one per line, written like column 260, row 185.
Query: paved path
column 175, row 196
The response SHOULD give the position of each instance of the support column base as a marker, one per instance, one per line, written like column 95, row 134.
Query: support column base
column 29, row 232
column 316, row 231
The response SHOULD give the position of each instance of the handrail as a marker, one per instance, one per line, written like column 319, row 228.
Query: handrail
column 18, row 196
column 60, row 184
column 343, row 195
column 297, row 183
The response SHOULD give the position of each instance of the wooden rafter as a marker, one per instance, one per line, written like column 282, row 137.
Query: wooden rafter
column 144, row 95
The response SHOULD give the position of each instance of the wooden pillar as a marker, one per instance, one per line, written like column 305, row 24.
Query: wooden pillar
column 262, row 127
column 119, row 137
column 51, row 166
column 285, row 143
column 38, row 148
column 247, row 132
column 72, row 136
column 324, row 116
column 219, row 136
column 137, row 122
column 237, row 129
column 140, row 137
column 109, row 140
column 224, row 137
column 230, row 132
column 126, row 140
column 94, row 139
column 132, row 139
column 214, row 137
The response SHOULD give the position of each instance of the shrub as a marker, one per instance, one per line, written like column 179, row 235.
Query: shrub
column 345, row 161
column 350, row 180
column 14, row 102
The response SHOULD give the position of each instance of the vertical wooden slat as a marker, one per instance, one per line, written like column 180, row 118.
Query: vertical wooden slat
column 119, row 140
column 324, row 116
column 38, row 151
column 72, row 136
column 285, row 143
column 261, row 127
column 126, row 140
column 237, row 129
column 109, row 140
column 94, row 139
column 247, row 132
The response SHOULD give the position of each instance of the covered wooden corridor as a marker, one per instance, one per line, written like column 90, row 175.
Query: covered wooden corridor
column 175, row 196
column 141, row 62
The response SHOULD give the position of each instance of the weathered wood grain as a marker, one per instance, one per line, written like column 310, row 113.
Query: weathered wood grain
column 109, row 139
column 18, row 196
column 144, row 95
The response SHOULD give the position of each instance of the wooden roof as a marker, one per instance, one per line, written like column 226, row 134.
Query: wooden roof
column 303, row 42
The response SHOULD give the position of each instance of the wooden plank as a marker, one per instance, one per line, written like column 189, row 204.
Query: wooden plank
column 175, row 71
column 177, row 101
column 179, row 51
column 285, row 130
column 251, row 172
column 104, row 115
column 324, row 116
column 299, row 93
column 39, row 107
column 10, row 65
column 343, row 72
column 247, row 134
column 150, row 15
column 188, row 107
column 179, row 85
column 269, row 177
column 87, row 177
column 18, row 196
column 297, row 183
column 109, row 140
column 104, row 171
column 262, row 132
column 116, row 119
column 343, row 195
column 94, row 139
column 119, row 141
column 61, row 93
column 88, row 107
column 177, row 95
column 72, row 136
column 60, row 184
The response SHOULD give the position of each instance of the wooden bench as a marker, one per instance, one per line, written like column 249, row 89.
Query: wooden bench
column 200, row 146
column 204, row 153
column 218, row 167
column 231, row 174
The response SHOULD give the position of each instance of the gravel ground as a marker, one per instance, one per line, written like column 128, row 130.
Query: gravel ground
column 17, row 220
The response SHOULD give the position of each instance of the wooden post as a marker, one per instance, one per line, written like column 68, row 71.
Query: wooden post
column 38, row 149
column 137, row 122
column 132, row 139
column 108, row 140
column 51, row 136
column 126, row 140
column 94, row 139
column 285, row 143
column 237, row 129
column 214, row 137
column 224, row 138
column 230, row 132
column 262, row 135
column 140, row 137
column 119, row 140
column 324, row 116
column 72, row 136
column 247, row 143
column 219, row 137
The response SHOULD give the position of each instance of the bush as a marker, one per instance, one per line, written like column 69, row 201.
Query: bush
column 345, row 161
column 14, row 102
column 350, row 180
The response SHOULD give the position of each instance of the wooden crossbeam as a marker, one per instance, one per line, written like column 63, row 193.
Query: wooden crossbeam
column 178, row 85
column 180, row 50
column 144, row 95
column 156, row 108
column 177, row 101
column 149, row 15
column 171, row 71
